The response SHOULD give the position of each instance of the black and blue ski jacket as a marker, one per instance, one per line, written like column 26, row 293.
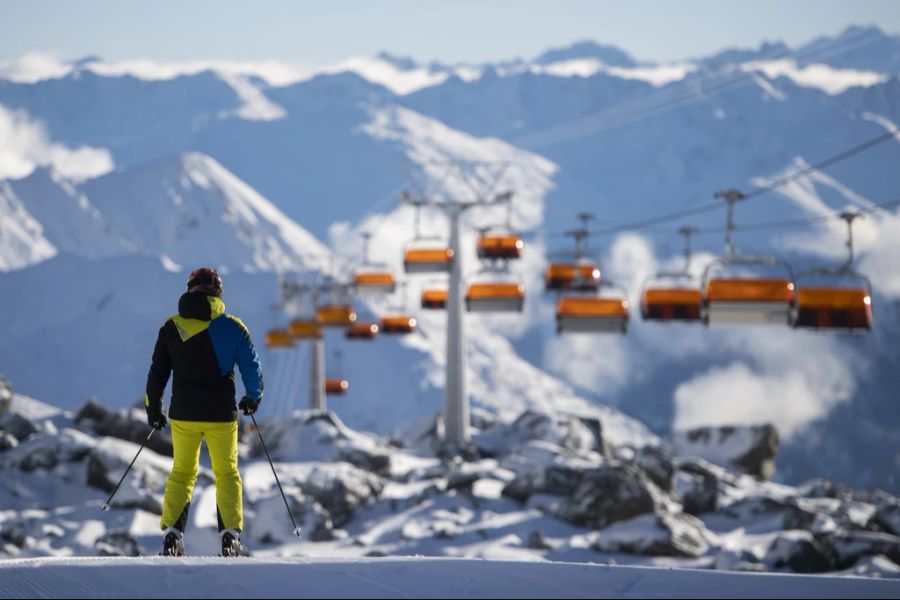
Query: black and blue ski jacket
column 201, row 345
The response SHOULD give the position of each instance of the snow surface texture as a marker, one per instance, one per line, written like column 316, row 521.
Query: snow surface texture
column 543, row 487
column 328, row 150
column 396, row 577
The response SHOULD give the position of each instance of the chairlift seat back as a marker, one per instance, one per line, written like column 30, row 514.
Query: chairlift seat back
column 671, row 304
column 500, row 246
column 840, row 308
column 583, row 277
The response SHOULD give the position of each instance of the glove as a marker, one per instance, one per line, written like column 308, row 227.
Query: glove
column 249, row 405
column 156, row 419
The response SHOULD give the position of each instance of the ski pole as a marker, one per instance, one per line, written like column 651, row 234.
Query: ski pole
column 280, row 489
column 105, row 506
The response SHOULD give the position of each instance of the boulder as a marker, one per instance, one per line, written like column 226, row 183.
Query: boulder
column 666, row 534
column 887, row 517
column 107, row 462
column 748, row 448
column 47, row 450
column 800, row 552
column 7, row 441
column 268, row 523
column 341, row 489
column 19, row 426
column 117, row 543
column 608, row 494
column 850, row 546
column 657, row 463
column 565, row 431
column 698, row 494
column 128, row 424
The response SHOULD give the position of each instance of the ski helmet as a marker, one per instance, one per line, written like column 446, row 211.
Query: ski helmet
column 207, row 281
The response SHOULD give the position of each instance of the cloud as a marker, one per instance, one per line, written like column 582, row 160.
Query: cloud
column 27, row 146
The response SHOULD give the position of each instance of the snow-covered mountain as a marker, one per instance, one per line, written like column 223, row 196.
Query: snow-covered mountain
column 583, row 128
column 191, row 210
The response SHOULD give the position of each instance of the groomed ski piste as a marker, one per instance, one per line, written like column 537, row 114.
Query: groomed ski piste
column 401, row 577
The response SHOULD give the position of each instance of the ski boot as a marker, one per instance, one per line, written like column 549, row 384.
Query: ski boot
column 173, row 542
column 231, row 543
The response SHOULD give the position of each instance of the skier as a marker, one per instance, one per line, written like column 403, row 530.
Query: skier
column 201, row 345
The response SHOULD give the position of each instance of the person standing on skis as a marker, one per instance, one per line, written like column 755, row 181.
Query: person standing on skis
column 201, row 345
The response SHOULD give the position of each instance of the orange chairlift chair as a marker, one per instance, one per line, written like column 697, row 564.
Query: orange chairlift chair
column 736, row 297
column 426, row 254
column 606, row 312
column 337, row 310
column 842, row 300
column 372, row 277
column 579, row 273
column 398, row 321
column 673, row 296
column 335, row 383
column 500, row 242
column 434, row 297
column 494, row 289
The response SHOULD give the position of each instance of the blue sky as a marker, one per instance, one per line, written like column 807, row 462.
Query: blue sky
column 321, row 32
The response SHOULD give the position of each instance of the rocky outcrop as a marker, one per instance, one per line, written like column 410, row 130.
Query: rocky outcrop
column 747, row 448
column 665, row 534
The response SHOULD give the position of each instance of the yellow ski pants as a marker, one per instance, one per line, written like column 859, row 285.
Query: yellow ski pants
column 221, row 441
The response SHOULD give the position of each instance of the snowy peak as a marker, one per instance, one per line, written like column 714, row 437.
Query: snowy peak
column 44, row 213
column 587, row 49
column 190, row 209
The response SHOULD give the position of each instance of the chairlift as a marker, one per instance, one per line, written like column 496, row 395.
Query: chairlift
column 502, row 243
column 434, row 298
column 593, row 313
column 305, row 329
column 738, row 298
column 336, row 384
column 279, row 339
column 581, row 273
column 843, row 299
column 338, row 310
column 426, row 254
column 373, row 277
column 361, row 331
column 398, row 321
column 674, row 296
column 494, row 289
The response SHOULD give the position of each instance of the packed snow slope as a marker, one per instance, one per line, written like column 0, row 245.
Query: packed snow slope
column 401, row 578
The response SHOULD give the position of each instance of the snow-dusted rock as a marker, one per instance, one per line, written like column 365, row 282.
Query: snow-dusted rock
column 611, row 493
column 117, row 543
column 46, row 451
column 322, row 436
column 850, row 546
column 800, row 552
column 568, row 432
column 145, row 483
column 341, row 489
column 7, row 441
column 887, row 516
column 676, row 534
column 750, row 448
column 17, row 425
column 127, row 424
column 266, row 522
